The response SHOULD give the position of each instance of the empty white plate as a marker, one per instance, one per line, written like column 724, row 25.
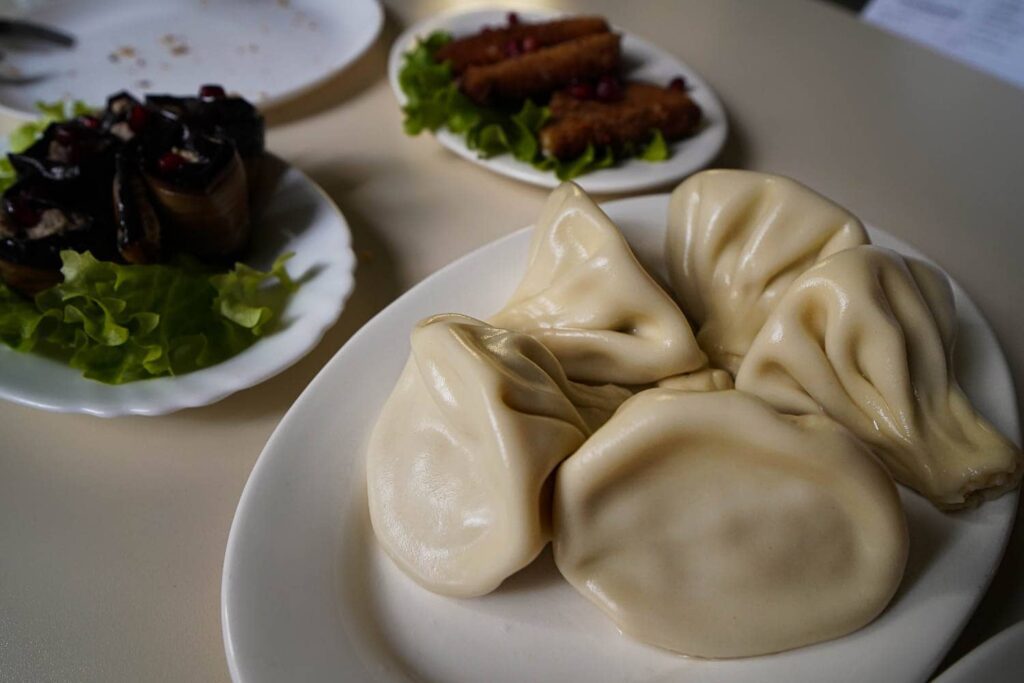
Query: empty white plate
column 309, row 595
column 265, row 50
column 647, row 62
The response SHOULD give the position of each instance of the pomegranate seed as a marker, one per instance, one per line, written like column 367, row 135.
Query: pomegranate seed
column 137, row 119
column 90, row 121
column 608, row 89
column 23, row 213
column 582, row 91
column 677, row 83
column 530, row 44
column 212, row 92
column 170, row 162
column 513, row 48
column 513, row 19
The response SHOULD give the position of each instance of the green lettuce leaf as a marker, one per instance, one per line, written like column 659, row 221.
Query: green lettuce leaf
column 434, row 101
column 592, row 159
column 243, row 299
column 19, row 320
column 656, row 149
column 122, row 323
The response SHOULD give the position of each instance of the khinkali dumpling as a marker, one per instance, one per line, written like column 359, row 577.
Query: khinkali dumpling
column 459, row 462
column 588, row 299
column 736, row 241
column 708, row 379
column 867, row 337
column 712, row 525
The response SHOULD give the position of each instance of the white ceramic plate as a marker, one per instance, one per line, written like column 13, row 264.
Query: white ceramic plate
column 1000, row 659
column 300, row 218
column 651, row 64
column 266, row 50
column 308, row 595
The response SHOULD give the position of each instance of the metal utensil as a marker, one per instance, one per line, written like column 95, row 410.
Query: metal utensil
column 16, row 28
column 30, row 31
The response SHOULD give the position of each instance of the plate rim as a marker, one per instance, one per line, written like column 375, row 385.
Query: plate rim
column 964, row 669
column 718, row 134
column 367, row 41
column 232, row 548
column 199, row 392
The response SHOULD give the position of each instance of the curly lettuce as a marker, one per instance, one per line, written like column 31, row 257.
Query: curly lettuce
column 121, row 323
column 434, row 101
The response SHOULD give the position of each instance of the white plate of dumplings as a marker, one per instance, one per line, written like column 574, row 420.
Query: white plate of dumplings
column 395, row 527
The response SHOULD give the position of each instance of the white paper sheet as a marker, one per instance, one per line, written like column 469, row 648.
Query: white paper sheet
column 988, row 34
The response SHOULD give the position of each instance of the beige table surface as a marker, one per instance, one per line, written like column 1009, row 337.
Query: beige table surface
column 112, row 532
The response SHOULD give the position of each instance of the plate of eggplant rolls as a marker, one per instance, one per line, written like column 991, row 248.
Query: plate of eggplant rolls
column 544, row 97
column 154, row 256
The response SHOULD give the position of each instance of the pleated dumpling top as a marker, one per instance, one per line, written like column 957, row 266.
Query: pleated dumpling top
column 736, row 241
column 867, row 337
column 586, row 297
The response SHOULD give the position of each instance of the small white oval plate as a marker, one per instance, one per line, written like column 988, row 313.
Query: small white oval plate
column 308, row 595
column 1000, row 659
column 267, row 50
column 632, row 175
column 299, row 218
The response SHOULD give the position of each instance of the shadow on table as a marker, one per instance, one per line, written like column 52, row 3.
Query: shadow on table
column 342, row 86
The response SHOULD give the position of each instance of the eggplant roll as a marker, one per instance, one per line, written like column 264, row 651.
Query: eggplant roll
column 219, row 115
column 137, row 224
column 34, row 229
column 199, row 189
column 76, row 158
column 133, row 183
column 216, row 114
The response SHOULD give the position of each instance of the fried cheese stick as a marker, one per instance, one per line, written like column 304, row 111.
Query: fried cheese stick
column 577, row 123
column 490, row 45
column 540, row 72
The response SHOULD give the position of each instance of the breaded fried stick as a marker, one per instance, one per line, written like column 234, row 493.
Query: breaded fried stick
column 577, row 123
column 540, row 72
column 491, row 45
